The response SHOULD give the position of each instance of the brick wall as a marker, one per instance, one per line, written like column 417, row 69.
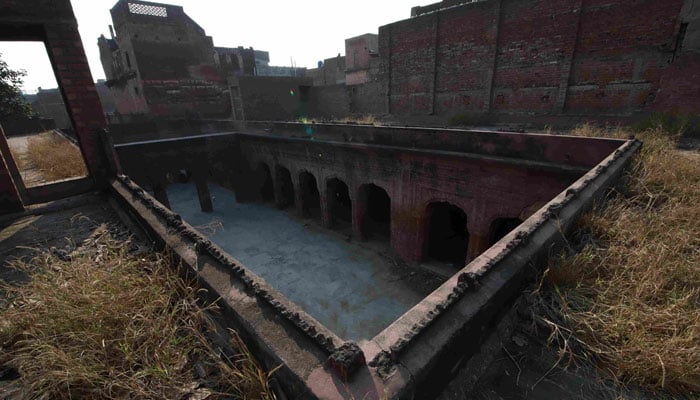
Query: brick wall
column 538, row 58
column 268, row 98
column 329, row 102
column 368, row 98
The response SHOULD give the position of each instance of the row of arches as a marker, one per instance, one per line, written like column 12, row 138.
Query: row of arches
column 279, row 188
column 447, row 239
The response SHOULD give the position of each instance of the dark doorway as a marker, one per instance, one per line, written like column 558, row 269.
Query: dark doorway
column 267, row 192
column 448, row 238
column 339, row 203
column 376, row 223
column 310, row 197
column 285, row 187
column 502, row 227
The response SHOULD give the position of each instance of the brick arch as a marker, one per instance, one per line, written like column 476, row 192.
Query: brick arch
column 446, row 238
column 373, row 212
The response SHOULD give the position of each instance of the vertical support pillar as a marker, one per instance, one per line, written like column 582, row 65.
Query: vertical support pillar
column 359, row 209
column 477, row 245
column 299, row 197
column 408, row 232
column 277, row 189
column 161, row 194
column 479, row 229
column 78, row 91
column 203, row 193
column 326, row 218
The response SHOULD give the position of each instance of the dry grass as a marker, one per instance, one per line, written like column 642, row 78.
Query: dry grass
column 111, row 325
column 629, row 294
column 358, row 120
column 54, row 157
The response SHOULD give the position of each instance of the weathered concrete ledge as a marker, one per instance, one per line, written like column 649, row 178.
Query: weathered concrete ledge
column 280, row 332
column 559, row 149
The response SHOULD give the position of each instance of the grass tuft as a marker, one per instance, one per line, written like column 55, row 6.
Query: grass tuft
column 628, row 292
column 55, row 158
column 106, row 324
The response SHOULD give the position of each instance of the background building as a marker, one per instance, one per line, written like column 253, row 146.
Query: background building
column 161, row 62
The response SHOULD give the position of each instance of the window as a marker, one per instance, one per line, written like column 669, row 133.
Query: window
column 145, row 9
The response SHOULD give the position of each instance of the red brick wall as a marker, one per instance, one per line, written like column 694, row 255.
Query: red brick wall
column 538, row 57
column 75, row 80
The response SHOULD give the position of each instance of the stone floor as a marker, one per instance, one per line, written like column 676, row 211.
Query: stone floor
column 350, row 287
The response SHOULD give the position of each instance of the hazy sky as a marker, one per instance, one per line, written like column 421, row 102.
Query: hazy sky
column 305, row 30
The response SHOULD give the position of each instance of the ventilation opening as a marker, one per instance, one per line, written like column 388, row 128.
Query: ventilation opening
column 285, row 187
column 502, row 226
column 447, row 234
column 310, row 197
column 340, row 205
column 267, row 193
column 376, row 223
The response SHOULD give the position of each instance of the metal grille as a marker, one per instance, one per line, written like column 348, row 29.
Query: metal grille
column 144, row 9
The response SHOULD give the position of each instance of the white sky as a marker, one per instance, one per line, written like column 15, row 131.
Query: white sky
column 305, row 30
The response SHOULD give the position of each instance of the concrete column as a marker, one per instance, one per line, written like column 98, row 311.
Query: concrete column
column 161, row 194
column 203, row 193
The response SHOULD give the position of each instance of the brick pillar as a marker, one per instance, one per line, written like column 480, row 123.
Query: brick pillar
column 479, row 228
column 359, row 209
column 477, row 245
column 203, row 193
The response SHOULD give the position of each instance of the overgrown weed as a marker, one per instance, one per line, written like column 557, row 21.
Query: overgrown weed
column 106, row 324
column 55, row 157
column 627, row 295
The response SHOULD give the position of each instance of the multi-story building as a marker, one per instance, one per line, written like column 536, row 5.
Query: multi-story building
column 159, row 61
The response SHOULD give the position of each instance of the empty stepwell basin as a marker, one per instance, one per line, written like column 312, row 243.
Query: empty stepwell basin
column 365, row 262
